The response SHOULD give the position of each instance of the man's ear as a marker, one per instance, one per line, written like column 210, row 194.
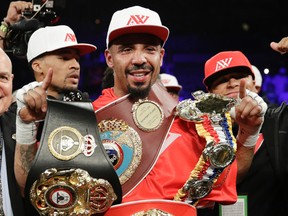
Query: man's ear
column 38, row 70
column 108, row 58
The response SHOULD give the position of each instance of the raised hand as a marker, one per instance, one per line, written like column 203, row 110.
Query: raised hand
column 15, row 10
column 32, row 99
column 249, row 115
column 281, row 47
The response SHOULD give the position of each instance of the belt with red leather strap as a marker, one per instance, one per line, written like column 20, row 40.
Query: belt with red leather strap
column 122, row 110
column 143, row 207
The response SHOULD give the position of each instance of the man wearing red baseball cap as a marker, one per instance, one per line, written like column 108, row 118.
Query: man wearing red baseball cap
column 225, row 74
column 225, row 63
column 158, row 155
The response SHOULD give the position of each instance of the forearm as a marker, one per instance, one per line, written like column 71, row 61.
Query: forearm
column 3, row 31
column 245, row 151
column 24, row 157
column 244, row 157
column 25, row 149
column 27, row 122
column 2, row 36
column 6, row 22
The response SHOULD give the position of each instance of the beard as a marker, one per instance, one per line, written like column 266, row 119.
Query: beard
column 64, row 88
column 58, row 92
column 138, row 92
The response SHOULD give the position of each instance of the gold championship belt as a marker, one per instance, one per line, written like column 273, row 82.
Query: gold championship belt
column 69, row 192
column 210, row 112
column 71, row 173
column 152, row 207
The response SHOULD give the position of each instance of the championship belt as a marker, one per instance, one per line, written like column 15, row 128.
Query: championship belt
column 128, row 129
column 71, row 173
column 210, row 112
column 152, row 207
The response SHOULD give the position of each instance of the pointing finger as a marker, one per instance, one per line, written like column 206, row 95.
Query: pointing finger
column 242, row 89
column 47, row 80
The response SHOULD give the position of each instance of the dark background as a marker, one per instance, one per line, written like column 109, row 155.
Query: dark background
column 198, row 30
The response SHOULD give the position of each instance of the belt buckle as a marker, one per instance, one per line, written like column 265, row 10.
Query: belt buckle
column 152, row 212
column 219, row 155
column 71, row 192
column 197, row 189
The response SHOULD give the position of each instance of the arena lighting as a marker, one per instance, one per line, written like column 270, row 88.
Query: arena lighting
column 282, row 70
column 266, row 71
column 245, row 26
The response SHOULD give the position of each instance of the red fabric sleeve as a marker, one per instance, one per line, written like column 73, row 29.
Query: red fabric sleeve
column 106, row 97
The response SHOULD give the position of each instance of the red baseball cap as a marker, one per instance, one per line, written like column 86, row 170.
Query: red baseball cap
column 226, row 62
column 136, row 19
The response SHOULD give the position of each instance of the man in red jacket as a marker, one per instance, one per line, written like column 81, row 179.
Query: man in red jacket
column 157, row 155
